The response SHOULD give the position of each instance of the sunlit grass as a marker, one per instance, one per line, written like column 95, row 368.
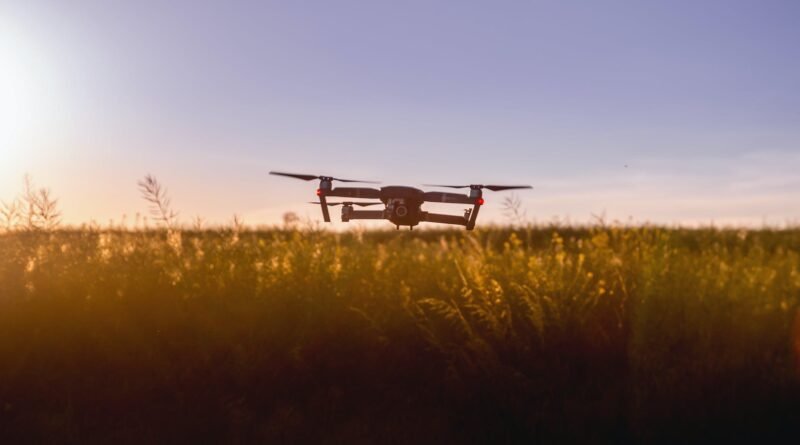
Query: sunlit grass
column 619, row 333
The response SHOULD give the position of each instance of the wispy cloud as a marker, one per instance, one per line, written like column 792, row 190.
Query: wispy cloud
column 749, row 189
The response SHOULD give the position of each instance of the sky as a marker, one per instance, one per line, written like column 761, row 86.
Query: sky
column 669, row 112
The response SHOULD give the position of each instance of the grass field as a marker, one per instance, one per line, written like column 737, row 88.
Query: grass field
column 554, row 334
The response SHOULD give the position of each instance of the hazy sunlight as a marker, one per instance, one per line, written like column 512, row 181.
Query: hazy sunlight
column 25, row 99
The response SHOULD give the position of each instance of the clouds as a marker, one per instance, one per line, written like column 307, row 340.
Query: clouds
column 750, row 189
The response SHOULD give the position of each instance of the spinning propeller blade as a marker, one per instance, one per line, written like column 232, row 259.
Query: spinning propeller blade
column 448, row 186
column 494, row 188
column 499, row 188
column 312, row 177
column 294, row 175
column 360, row 204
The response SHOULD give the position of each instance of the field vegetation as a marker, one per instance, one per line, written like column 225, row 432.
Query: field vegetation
column 502, row 335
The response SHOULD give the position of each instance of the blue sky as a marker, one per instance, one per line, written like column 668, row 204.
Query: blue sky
column 699, row 99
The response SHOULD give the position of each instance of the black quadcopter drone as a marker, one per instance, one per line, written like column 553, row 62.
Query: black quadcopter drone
column 402, row 205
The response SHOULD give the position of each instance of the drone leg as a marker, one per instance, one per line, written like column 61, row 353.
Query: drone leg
column 473, row 217
column 324, row 204
column 398, row 228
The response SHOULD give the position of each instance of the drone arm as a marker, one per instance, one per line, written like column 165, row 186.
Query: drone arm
column 453, row 198
column 355, row 192
column 444, row 219
column 362, row 214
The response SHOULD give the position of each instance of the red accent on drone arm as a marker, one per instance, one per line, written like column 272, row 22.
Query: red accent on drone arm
column 444, row 219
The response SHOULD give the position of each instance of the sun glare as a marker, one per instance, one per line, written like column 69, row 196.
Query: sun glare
column 26, row 96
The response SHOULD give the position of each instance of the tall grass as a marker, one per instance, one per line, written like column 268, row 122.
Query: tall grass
column 501, row 335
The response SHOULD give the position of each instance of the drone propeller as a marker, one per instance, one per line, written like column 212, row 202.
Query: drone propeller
column 347, row 203
column 494, row 188
column 312, row 177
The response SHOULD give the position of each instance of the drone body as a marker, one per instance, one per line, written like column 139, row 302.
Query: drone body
column 402, row 204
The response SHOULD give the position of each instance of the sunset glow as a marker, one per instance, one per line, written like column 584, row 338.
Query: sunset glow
column 27, row 99
column 662, row 114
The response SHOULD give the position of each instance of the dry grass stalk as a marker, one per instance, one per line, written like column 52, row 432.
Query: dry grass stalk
column 160, row 203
